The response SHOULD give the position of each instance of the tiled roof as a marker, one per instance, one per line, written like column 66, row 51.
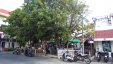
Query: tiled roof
column 4, row 11
column 104, row 34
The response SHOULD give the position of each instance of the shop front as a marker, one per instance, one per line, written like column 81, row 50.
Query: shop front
column 104, row 41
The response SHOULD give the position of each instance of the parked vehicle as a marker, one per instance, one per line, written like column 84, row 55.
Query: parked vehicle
column 68, row 57
column 98, row 56
column 77, row 57
column 82, row 57
column 75, row 54
column 29, row 51
column 17, row 51
column 106, row 57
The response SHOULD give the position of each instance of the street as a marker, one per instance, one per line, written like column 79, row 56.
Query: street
column 8, row 58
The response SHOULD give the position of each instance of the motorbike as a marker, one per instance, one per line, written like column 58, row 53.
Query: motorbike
column 106, row 57
column 17, row 51
column 98, row 56
column 68, row 57
column 83, row 58
column 29, row 52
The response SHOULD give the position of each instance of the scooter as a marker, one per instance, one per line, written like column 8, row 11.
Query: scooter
column 106, row 57
column 83, row 58
column 29, row 52
column 68, row 57
column 98, row 56
column 17, row 51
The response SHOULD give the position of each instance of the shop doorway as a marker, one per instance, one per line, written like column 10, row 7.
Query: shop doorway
column 106, row 46
column 3, row 45
column 13, row 44
column 89, row 48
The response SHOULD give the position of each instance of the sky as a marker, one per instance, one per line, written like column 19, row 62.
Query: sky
column 96, row 7
column 10, row 5
column 99, row 8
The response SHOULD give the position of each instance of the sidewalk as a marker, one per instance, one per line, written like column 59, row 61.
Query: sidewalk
column 102, row 59
column 52, row 56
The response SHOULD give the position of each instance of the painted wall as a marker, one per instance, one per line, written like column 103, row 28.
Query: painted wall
column 112, row 46
column 104, row 24
column 7, row 44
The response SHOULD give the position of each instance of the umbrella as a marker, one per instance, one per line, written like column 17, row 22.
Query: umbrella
column 89, row 40
column 75, row 41
column 52, row 42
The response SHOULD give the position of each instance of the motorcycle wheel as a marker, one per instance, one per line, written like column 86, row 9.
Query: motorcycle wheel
column 75, row 59
column 98, row 60
column 63, row 57
column 88, row 61
column 106, row 61
column 70, row 60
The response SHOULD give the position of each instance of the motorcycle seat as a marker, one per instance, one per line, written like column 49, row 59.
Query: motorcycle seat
column 83, row 54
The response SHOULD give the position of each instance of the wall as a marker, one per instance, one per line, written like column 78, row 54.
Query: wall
column 1, row 20
column 7, row 45
column 98, row 46
column 112, row 46
column 103, row 25
column 16, row 45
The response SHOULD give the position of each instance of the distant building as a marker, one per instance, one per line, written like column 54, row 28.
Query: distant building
column 3, row 15
column 104, row 33
column 5, row 40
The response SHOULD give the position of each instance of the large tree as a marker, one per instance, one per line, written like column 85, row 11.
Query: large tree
column 46, row 19
column 77, row 11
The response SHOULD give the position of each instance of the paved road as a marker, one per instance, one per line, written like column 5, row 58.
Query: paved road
column 8, row 58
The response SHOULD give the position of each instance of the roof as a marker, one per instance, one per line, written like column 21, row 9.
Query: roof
column 4, row 11
column 104, row 34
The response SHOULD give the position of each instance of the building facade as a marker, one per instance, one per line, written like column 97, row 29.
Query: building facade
column 5, row 40
column 103, row 40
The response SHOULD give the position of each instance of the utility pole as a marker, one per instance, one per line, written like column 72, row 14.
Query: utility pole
column 82, row 37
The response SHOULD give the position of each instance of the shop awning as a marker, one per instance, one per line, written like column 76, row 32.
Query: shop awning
column 88, row 40
column 74, row 41
column 104, row 34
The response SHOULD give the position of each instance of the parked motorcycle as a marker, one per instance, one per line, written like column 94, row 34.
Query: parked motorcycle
column 84, row 57
column 68, row 57
column 29, row 52
column 17, row 51
column 77, row 57
column 106, row 57
column 98, row 56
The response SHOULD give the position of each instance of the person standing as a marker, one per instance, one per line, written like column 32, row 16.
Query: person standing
column 44, row 48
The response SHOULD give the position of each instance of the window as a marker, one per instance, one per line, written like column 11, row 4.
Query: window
column 106, row 46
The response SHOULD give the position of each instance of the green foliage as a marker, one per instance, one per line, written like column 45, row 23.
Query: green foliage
column 45, row 19
column 90, row 30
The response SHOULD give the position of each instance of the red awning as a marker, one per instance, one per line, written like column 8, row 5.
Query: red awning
column 4, row 11
column 104, row 34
